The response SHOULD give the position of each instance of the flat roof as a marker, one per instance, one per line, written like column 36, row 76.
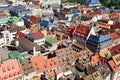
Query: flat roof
column 11, row 19
column 50, row 40
column 16, row 54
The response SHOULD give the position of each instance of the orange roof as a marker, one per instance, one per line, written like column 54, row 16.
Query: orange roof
column 114, row 36
column 95, row 59
column 10, row 70
column 115, row 49
column 115, row 14
column 37, row 35
column 113, row 65
column 104, row 25
column 85, row 9
column 42, row 64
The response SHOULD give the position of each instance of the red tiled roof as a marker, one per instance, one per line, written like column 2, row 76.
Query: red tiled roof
column 37, row 35
column 115, row 14
column 114, row 36
column 20, row 34
column 115, row 26
column 116, row 49
column 108, row 26
column 97, row 12
column 10, row 70
column 70, row 30
column 113, row 65
column 33, row 19
column 81, row 31
column 41, row 64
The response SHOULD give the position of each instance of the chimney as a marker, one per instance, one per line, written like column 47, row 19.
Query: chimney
column 16, row 43
column 34, row 51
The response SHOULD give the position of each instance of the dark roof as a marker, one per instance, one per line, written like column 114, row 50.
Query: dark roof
column 16, row 28
column 86, row 17
column 37, row 35
column 1, row 36
column 104, row 21
column 61, row 16
column 28, row 44
column 80, row 66
column 104, row 70
column 115, row 25
column 91, row 70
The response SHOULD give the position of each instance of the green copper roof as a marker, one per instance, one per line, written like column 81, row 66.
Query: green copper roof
column 50, row 40
column 15, row 19
column 10, row 19
column 3, row 21
column 16, row 54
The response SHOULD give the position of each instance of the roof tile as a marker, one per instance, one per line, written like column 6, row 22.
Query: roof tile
column 113, row 65
column 82, row 31
column 114, row 36
column 37, row 35
column 10, row 70
column 41, row 64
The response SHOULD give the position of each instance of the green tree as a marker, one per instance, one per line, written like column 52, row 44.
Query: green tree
column 110, row 3
column 78, row 1
column 27, row 1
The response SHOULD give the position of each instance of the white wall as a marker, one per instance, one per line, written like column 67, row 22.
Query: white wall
column 40, row 41
column 116, row 76
column 45, row 2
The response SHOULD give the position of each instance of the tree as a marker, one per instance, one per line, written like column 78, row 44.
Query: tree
column 27, row 1
column 110, row 3
column 78, row 1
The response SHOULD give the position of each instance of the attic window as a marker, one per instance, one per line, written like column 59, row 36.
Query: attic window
column 55, row 63
column 45, row 66
column 95, row 75
column 35, row 63
column 27, row 68
column 8, row 68
column 50, row 64
column 31, row 67
column 37, row 68
column 22, row 64
column 51, row 60
column 4, row 70
column 116, row 59
column 29, row 62
column 114, row 67
column 13, row 67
